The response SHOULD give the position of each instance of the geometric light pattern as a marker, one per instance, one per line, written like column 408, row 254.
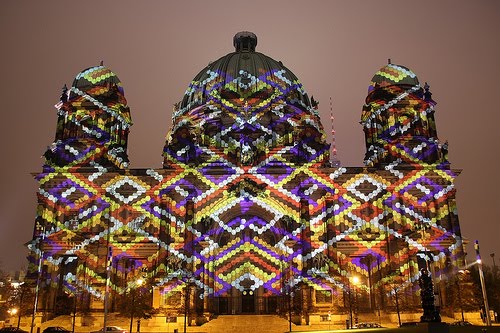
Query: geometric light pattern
column 93, row 122
column 247, row 199
column 398, row 120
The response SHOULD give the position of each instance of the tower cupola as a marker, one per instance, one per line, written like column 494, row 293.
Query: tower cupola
column 398, row 121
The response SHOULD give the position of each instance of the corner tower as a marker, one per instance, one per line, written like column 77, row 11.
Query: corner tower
column 93, row 123
column 398, row 121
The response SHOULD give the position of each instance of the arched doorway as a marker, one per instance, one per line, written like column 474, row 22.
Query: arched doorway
column 247, row 264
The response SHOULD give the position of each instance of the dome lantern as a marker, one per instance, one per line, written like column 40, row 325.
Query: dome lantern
column 245, row 41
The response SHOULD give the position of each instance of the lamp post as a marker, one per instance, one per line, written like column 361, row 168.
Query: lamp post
column 138, row 283
column 397, row 305
column 290, row 280
column 74, row 313
column 21, row 296
column 289, row 298
column 459, row 290
column 109, row 259
column 355, row 282
column 187, row 301
column 483, row 286
column 186, row 304
column 350, row 302
column 288, row 287
column 39, row 249
column 12, row 312
column 352, row 281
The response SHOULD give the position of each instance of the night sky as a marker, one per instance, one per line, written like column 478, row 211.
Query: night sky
column 334, row 47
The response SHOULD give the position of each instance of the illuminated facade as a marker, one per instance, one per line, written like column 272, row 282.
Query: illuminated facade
column 247, row 210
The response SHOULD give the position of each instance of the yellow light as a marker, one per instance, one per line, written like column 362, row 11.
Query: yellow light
column 355, row 279
column 139, row 282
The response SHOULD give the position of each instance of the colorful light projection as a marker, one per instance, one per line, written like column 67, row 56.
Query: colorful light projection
column 246, row 109
column 398, row 121
column 93, row 123
column 246, row 199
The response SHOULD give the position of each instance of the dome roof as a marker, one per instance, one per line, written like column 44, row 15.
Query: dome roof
column 243, row 72
column 101, row 86
column 91, row 77
column 245, row 105
column 392, row 74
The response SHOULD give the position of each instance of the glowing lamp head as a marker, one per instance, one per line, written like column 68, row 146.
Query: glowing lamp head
column 355, row 279
column 478, row 261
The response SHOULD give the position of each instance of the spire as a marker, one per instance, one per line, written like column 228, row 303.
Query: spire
column 64, row 94
column 428, row 94
column 314, row 103
column 335, row 162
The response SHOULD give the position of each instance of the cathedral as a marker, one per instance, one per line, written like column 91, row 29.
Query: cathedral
column 251, row 212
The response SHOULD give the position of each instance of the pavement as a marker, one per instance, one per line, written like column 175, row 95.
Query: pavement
column 249, row 324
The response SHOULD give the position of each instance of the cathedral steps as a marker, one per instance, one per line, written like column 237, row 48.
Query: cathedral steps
column 247, row 324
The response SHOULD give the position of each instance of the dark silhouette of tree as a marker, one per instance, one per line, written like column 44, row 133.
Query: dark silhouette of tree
column 5, row 292
column 138, row 302
column 492, row 283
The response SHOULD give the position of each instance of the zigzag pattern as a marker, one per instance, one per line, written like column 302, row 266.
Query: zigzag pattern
column 93, row 123
column 243, row 241
column 398, row 120
column 246, row 199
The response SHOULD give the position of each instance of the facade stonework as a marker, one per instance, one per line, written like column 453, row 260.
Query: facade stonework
column 248, row 213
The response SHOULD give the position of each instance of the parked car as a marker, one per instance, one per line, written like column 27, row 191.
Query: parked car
column 12, row 329
column 55, row 329
column 461, row 323
column 367, row 325
column 409, row 323
column 111, row 329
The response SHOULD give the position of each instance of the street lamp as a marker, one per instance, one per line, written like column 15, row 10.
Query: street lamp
column 37, row 247
column 288, row 292
column 12, row 312
column 187, row 301
column 459, row 291
column 74, row 312
column 20, row 288
column 355, row 282
column 351, row 281
column 483, row 286
column 138, row 283
column 397, row 304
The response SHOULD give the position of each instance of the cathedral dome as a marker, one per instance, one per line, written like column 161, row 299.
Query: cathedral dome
column 245, row 104
column 241, row 74
column 94, row 76
column 392, row 74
